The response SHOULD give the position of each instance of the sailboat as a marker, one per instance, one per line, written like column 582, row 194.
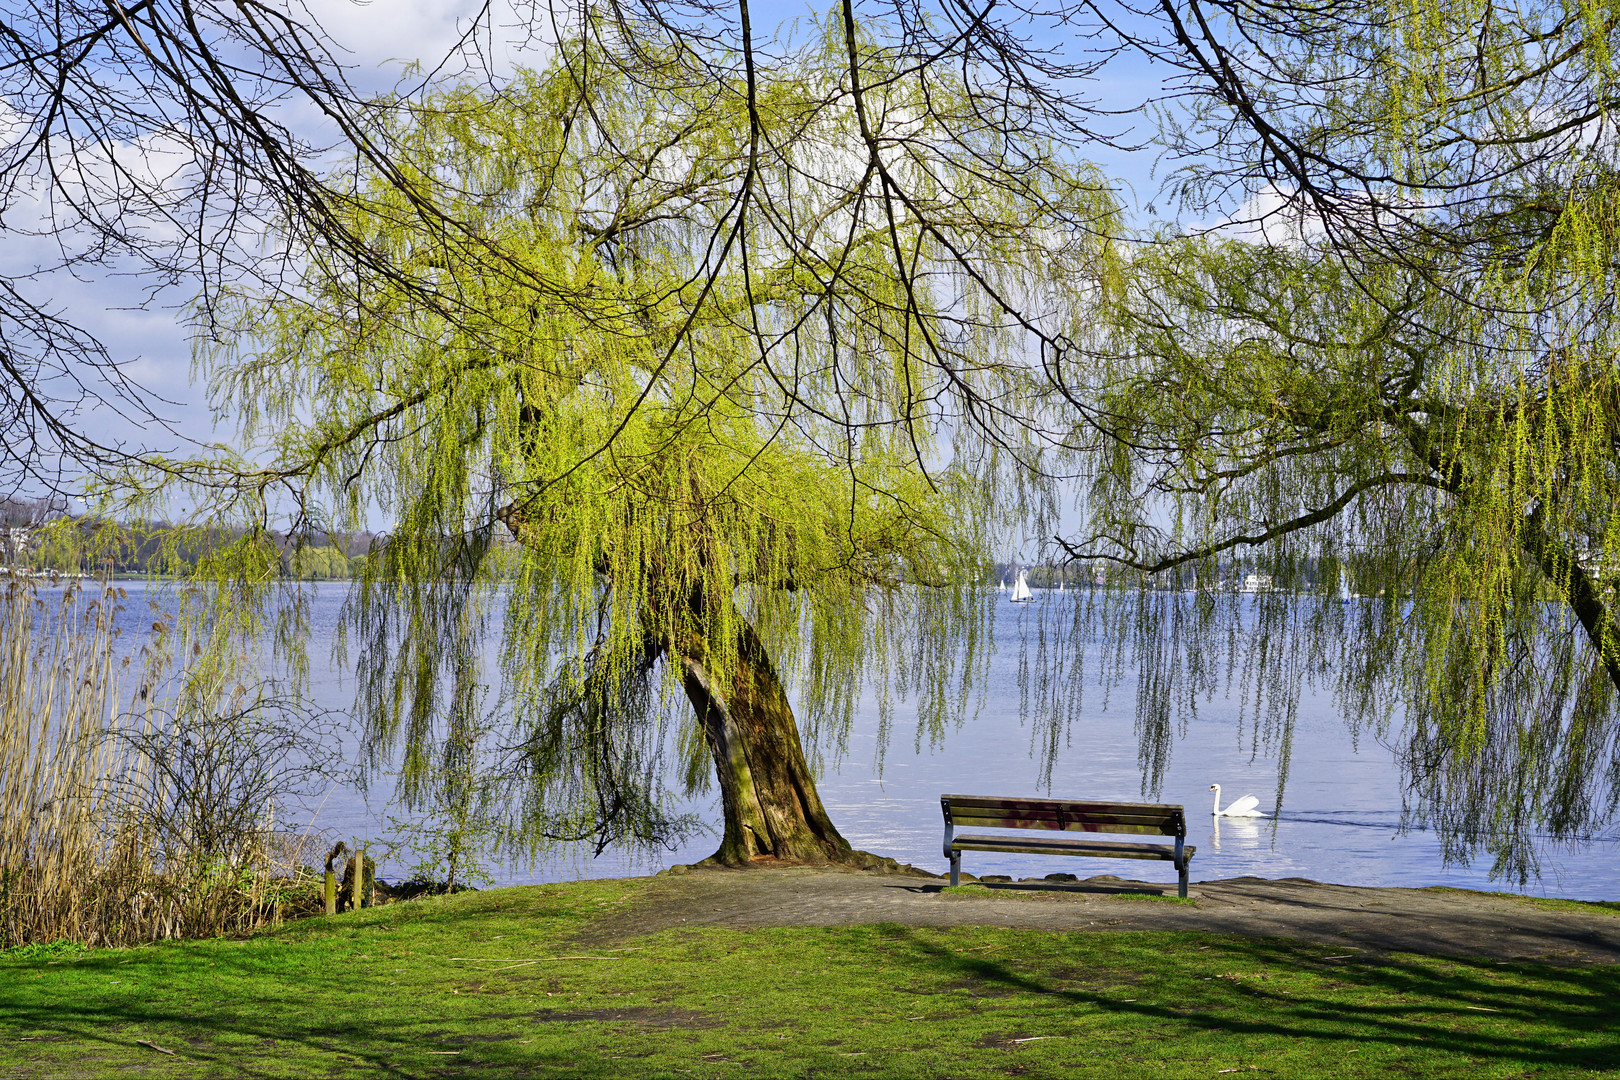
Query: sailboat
column 1021, row 593
column 1003, row 584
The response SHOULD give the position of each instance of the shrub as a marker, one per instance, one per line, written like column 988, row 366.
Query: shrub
column 127, row 822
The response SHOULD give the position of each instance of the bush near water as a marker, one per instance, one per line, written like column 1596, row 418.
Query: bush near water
column 125, row 819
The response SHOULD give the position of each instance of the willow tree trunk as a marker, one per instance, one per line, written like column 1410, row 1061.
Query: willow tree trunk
column 772, row 810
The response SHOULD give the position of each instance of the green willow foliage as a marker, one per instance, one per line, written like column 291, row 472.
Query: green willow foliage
column 1396, row 391
column 680, row 365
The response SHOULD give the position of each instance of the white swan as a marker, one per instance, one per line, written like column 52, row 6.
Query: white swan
column 1244, row 807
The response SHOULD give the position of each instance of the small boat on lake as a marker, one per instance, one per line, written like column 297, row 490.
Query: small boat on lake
column 1020, row 592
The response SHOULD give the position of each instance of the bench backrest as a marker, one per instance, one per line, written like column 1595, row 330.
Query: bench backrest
column 994, row 812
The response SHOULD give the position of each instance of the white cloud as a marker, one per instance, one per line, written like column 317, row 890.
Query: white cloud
column 378, row 38
column 146, row 334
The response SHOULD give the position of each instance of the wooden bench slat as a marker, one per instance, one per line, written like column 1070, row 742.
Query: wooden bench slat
column 1027, row 807
column 1090, row 824
column 1057, row 845
column 1032, row 804
column 1076, row 809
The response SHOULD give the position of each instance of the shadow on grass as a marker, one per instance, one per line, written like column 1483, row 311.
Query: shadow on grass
column 193, row 1026
column 248, row 1008
column 1427, row 1003
column 256, row 1008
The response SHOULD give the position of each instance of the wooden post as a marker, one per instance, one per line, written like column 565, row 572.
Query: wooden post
column 330, row 882
column 1181, row 862
column 357, row 878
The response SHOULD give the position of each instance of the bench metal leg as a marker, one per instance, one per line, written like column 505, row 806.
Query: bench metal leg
column 956, row 867
column 1182, row 891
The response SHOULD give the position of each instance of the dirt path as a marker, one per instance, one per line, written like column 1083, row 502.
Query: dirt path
column 1441, row 921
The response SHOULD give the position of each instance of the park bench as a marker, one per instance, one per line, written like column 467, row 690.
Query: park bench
column 1063, row 815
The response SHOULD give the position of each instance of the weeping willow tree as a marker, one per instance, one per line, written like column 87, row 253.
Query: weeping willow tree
column 1390, row 382
column 673, row 423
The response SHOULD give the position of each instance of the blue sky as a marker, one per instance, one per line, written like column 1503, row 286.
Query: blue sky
column 378, row 38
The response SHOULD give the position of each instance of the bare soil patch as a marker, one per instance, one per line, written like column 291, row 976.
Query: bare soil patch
column 1447, row 922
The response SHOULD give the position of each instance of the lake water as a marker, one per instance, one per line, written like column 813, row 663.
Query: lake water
column 1338, row 824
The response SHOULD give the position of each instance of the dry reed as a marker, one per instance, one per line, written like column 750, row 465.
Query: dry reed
column 121, row 822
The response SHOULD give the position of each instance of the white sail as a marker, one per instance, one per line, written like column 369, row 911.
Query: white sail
column 1021, row 593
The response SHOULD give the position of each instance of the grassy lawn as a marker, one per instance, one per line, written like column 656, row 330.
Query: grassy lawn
column 498, row 983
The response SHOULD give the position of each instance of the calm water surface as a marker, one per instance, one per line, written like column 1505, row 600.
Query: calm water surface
column 1338, row 823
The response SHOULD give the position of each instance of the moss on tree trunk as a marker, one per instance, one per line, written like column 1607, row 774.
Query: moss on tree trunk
column 772, row 810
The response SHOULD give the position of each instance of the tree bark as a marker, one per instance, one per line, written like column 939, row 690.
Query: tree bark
column 1561, row 568
column 772, row 810
column 773, row 813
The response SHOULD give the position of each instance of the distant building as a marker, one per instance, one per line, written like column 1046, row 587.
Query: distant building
column 18, row 539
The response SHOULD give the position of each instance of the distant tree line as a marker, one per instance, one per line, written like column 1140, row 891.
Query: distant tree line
column 42, row 536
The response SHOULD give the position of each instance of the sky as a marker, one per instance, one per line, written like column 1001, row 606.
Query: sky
column 377, row 39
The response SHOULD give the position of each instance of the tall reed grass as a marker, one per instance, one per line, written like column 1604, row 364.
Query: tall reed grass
column 123, row 820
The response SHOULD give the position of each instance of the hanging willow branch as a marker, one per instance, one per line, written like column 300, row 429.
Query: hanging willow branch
column 696, row 414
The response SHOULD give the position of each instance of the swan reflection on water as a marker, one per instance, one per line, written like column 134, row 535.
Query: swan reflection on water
column 1242, row 833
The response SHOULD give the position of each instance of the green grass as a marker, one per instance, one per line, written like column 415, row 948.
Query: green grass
column 390, row 991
